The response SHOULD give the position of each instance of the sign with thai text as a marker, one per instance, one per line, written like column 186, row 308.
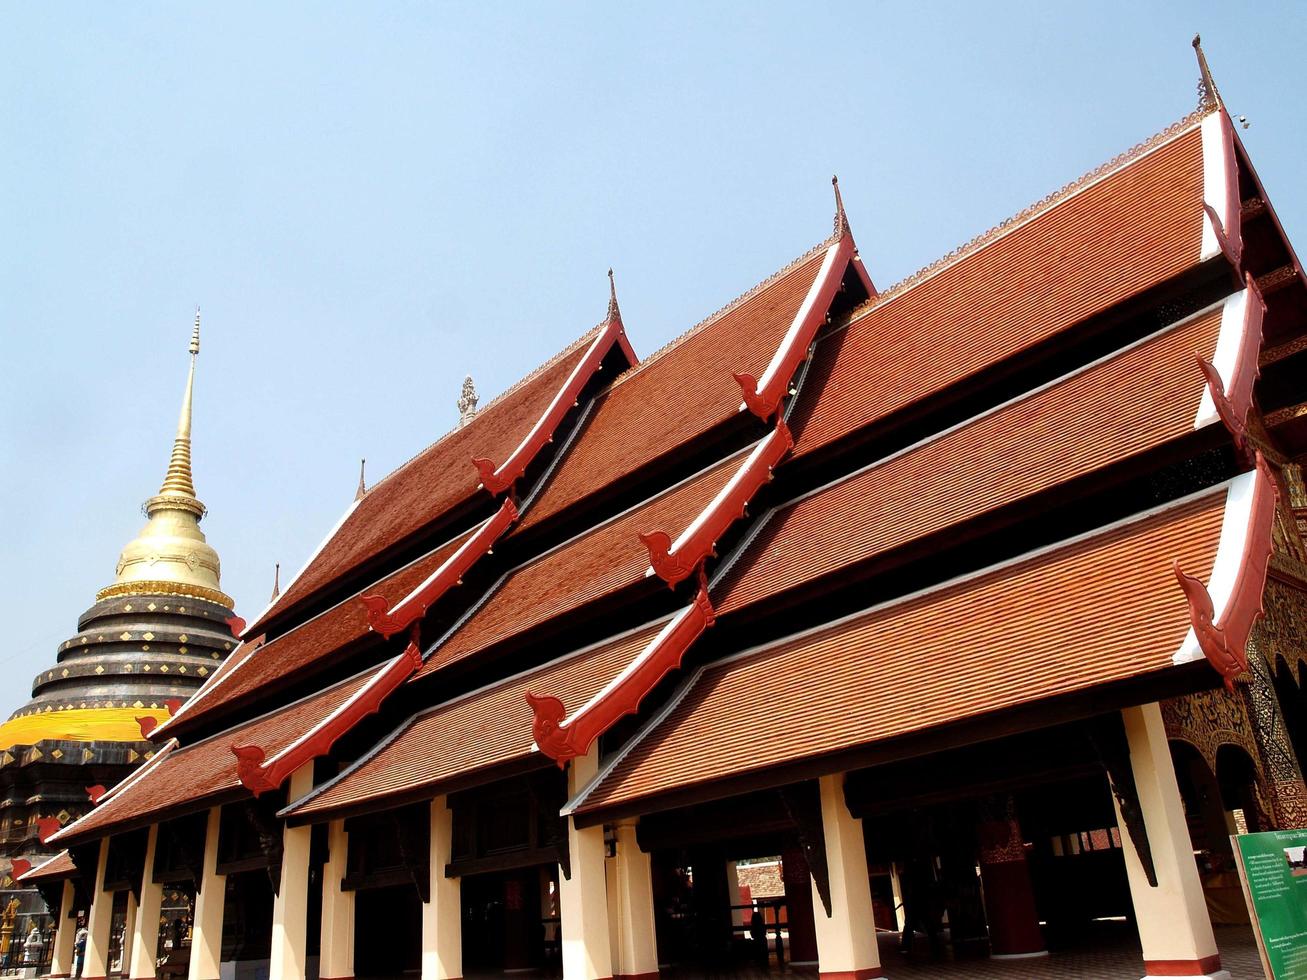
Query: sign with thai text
column 1273, row 869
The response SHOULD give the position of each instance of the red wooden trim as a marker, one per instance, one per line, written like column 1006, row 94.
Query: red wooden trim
column 636, row 976
column 95, row 793
column 413, row 606
column 498, row 479
column 148, row 724
column 1233, row 405
column 763, row 396
column 19, row 867
column 562, row 740
column 1183, row 968
column 867, row 973
column 676, row 562
column 259, row 774
column 236, row 625
column 1225, row 643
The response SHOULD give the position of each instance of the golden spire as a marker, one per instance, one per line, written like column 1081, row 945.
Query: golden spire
column 613, row 312
column 363, row 486
column 170, row 555
column 841, row 219
column 276, row 582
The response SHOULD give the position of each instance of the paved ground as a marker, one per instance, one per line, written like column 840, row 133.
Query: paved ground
column 1112, row 958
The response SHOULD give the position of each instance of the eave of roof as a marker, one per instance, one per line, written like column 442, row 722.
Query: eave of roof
column 1087, row 612
column 181, row 780
column 434, row 481
column 1119, row 407
column 453, row 742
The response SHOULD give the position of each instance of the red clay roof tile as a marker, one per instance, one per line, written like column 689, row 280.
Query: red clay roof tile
column 186, row 776
column 1093, row 611
column 435, row 480
column 679, row 392
column 598, row 563
column 486, row 728
column 310, row 644
column 1116, row 237
column 1120, row 407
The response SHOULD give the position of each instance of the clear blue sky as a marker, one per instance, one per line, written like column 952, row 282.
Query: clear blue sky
column 371, row 200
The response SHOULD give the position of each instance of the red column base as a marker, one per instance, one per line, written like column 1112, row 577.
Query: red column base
column 870, row 973
column 1183, row 968
column 636, row 976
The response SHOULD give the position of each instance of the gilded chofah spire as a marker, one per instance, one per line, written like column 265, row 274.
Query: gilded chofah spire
column 276, row 582
column 614, row 313
column 1208, row 96
column 363, row 485
column 841, row 219
column 170, row 555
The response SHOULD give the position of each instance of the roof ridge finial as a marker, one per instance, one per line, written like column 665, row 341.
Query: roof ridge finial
column 841, row 219
column 614, row 313
column 1209, row 98
column 467, row 402
column 276, row 582
column 363, row 487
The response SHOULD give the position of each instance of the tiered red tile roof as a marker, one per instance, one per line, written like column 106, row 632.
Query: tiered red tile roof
column 1116, row 248
column 434, row 481
column 1093, row 612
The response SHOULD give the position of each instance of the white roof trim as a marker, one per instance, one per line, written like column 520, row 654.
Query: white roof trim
column 1229, row 557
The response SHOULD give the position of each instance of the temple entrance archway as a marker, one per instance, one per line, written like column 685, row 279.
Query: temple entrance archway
column 510, row 921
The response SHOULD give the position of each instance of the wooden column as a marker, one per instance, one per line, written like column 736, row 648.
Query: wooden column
column 145, row 931
column 583, row 899
column 337, row 946
column 442, row 916
column 95, row 961
column 65, row 922
column 1174, row 929
column 290, row 907
column 637, row 945
column 846, row 939
column 210, row 897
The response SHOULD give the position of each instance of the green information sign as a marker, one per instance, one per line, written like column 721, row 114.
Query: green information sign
column 1273, row 867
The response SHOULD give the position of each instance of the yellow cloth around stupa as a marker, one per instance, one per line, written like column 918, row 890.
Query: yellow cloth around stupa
column 78, row 725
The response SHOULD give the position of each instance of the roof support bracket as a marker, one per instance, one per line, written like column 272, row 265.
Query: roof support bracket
column 802, row 802
column 1106, row 733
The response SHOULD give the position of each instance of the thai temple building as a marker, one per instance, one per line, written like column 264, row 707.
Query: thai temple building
column 975, row 604
column 147, row 644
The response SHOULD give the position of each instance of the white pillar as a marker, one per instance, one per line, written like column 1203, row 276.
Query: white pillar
column 637, row 945
column 846, row 940
column 583, row 899
column 61, row 965
column 337, row 947
column 145, row 934
column 290, row 907
column 95, row 962
column 210, row 896
column 442, row 916
column 1174, row 929
column 129, row 936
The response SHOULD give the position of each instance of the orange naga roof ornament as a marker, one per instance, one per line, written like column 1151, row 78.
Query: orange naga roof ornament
column 1238, row 576
column 763, row 395
column 414, row 606
column 259, row 774
column 563, row 738
column 1230, row 387
column 675, row 562
column 497, row 479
